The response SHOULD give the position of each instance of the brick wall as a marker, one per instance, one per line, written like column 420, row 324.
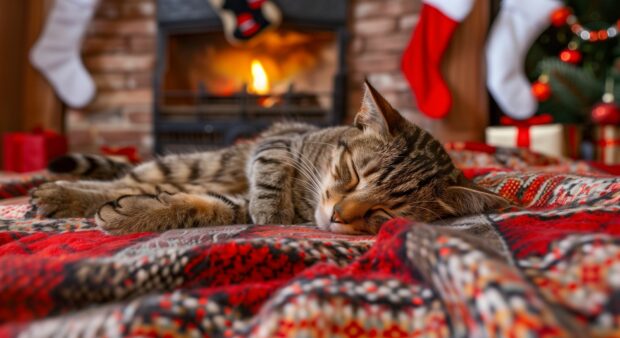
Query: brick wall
column 119, row 52
column 381, row 29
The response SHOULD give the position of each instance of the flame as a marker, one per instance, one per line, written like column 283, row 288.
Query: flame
column 260, row 81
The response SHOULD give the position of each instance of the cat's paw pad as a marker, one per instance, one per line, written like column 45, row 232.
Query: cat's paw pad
column 136, row 213
column 58, row 200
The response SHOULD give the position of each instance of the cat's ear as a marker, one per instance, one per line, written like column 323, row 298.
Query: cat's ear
column 466, row 198
column 377, row 115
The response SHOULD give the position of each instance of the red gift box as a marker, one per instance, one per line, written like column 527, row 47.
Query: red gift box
column 24, row 152
column 126, row 153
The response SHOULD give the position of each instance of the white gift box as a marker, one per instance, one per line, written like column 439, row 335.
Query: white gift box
column 550, row 139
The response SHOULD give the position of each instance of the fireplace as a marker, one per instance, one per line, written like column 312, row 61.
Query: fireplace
column 209, row 93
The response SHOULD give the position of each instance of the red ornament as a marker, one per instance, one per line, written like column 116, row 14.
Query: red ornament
column 606, row 113
column 560, row 15
column 541, row 91
column 571, row 56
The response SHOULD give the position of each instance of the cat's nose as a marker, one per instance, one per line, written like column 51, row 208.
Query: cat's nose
column 336, row 217
column 347, row 212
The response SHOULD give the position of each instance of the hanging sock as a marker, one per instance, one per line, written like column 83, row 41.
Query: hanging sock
column 56, row 54
column 422, row 58
column 517, row 26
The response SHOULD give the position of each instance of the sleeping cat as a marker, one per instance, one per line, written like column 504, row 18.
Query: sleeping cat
column 348, row 179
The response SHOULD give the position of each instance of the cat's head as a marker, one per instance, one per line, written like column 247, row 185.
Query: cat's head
column 393, row 168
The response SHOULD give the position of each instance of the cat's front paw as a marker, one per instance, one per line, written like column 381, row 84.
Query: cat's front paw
column 132, row 213
column 142, row 213
column 59, row 200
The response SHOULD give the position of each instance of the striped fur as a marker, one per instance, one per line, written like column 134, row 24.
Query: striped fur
column 93, row 167
column 346, row 179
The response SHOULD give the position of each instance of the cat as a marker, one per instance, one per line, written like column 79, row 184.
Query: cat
column 347, row 179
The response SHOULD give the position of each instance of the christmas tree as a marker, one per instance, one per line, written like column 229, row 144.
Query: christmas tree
column 575, row 64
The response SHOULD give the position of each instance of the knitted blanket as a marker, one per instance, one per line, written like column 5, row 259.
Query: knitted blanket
column 548, row 269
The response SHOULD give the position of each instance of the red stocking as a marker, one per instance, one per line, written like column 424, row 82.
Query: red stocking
column 422, row 57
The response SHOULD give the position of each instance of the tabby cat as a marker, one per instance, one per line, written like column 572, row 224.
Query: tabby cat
column 348, row 179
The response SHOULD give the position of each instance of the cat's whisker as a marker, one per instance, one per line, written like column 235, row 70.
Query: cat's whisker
column 306, row 185
column 306, row 175
column 311, row 183
column 303, row 166
column 303, row 170
column 311, row 167
column 310, row 188
column 299, row 156
column 312, row 171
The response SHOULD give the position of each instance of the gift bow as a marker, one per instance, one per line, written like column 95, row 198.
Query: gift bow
column 604, row 142
column 608, row 143
column 131, row 153
column 523, row 127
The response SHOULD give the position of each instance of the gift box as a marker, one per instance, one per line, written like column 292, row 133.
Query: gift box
column 25, row 152
column 537, row 134
column 607, row 144
column 129, row 154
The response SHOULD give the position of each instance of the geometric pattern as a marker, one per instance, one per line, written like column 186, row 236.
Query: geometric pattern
column 547, row 267
column 20, row 186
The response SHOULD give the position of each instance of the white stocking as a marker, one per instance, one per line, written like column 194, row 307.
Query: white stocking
column 57, row 52
column 514, row 31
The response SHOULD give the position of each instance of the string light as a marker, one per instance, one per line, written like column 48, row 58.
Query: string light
column 565, row 16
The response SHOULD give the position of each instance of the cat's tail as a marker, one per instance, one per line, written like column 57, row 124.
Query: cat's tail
column 95, row 167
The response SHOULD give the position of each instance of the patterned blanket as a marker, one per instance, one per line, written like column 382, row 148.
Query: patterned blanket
column 548, row 269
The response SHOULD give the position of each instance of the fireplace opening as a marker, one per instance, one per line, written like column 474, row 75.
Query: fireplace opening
column 283, row 73
column 211, row 93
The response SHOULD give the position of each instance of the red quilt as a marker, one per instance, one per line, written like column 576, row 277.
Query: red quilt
column 549, row 269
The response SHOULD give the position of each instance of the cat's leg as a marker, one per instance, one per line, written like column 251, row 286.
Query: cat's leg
column 139, row 213
column 219, row 171
column 68, row 199
column 271, row 176
column 83, row 198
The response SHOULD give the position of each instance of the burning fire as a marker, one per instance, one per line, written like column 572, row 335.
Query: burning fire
column 267, row 66
column 260, row 81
